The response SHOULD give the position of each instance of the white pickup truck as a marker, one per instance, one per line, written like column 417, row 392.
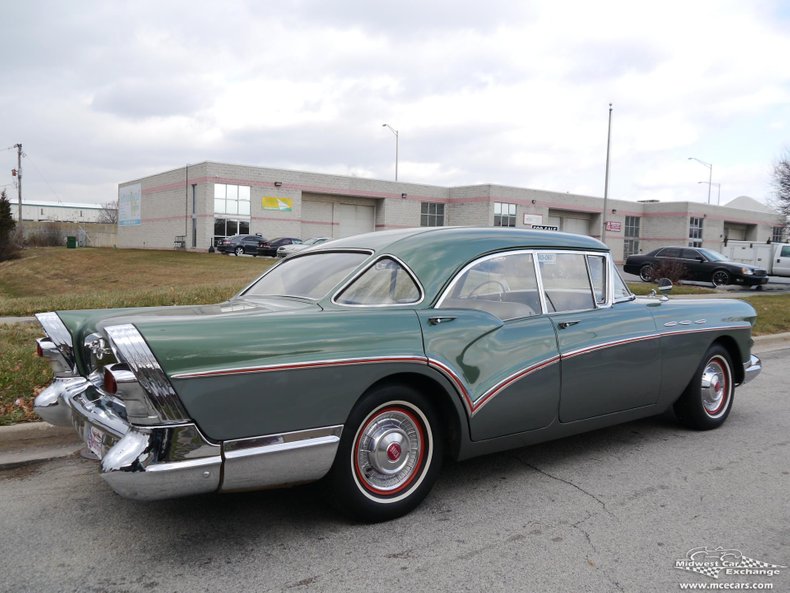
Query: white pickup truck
column 773, row 257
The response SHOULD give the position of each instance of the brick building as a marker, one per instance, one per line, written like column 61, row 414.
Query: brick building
column 203, row 202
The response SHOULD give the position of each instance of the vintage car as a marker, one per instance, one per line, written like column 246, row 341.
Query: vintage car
column 366, row 361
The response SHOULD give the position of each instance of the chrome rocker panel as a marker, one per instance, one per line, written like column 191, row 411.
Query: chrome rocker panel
column 159, row 462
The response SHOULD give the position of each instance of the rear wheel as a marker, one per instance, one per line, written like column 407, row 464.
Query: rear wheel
column 389, row 456
column 239, row 251
column 646, row 273
column 720, row 278
column 707, row 400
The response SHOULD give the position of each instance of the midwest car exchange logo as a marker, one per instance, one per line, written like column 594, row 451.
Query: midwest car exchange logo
column 712, row 562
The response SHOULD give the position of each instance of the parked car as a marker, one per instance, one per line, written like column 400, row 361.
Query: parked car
column 269, row 248
column 774, row 257
column 287, row 250
column 699, row 264
column 368, row 360
column 241, row 244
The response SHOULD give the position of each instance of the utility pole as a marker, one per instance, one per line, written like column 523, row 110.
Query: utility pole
column 19, row 180
column 606, row 178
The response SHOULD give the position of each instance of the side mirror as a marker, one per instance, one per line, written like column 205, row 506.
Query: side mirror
column 664, row 285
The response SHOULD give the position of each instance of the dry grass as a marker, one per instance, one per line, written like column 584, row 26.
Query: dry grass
column 48, row 278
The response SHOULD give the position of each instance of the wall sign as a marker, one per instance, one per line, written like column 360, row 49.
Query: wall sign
column 615, row 227
column 129, row 207
column 281, row 204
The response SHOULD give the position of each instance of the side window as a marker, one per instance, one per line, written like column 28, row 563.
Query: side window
column 785, row 251
column 565, row 282
column 597, row 266
column 690, row 254
column 621, row 292
column 669, row 252
column 384, row 283
column 504, row 286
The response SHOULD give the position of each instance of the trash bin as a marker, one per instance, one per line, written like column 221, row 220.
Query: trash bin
column 71, row 242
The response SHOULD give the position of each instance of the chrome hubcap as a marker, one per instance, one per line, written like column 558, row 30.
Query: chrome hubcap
column 388, row 450
column 715, row 387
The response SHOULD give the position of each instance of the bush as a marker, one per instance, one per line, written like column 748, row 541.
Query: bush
column 674, row 270
column 51, row 235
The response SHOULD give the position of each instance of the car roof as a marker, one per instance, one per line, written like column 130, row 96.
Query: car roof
column 435, row 253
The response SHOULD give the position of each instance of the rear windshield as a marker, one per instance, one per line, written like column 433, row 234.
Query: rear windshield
column 310, row 276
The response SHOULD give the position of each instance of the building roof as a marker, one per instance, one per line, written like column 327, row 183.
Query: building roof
column 76, row 205
column 747, row 203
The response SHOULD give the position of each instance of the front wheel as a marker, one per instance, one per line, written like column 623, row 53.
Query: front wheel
column 720, row 278
column 389, row 456
column 646, row 273
column 239, row 251
column 707, row 401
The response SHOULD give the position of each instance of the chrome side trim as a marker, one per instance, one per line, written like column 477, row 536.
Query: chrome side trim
column 279, row 459
column 751, row 369
column 301, row 365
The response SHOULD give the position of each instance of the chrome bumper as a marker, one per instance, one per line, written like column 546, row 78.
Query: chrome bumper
column 751, row 369
column 157, row 462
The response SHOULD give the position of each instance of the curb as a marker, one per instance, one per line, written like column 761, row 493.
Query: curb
column 18, row 434
column 771, row 342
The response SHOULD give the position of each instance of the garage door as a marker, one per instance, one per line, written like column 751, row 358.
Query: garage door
column 580, row 226
column 735, row 232
column 317, row 219
column 353, row 220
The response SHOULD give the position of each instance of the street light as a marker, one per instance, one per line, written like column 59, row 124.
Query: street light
column 394, row 131
column 710, row 173
column 718, row 187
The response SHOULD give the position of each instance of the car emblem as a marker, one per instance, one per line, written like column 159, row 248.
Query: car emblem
column 393, row 452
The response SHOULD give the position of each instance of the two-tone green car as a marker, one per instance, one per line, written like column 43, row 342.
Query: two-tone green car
column 368, row 360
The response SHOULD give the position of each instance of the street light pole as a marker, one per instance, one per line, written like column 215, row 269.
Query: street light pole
column 394, row 131
column 606, row 178
column 710, row 173
column 718, row 188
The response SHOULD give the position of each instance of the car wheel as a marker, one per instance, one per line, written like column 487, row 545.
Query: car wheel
column 720, row 278
column 646, row 273
column 707, row 401
column 239, row 251
column 389, row 456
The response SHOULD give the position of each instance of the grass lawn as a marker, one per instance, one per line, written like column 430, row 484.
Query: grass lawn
column 51, row 278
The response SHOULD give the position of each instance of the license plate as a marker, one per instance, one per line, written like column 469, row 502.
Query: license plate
column 94, row 440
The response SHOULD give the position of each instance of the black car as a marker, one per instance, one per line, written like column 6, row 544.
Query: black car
column 241, row 244
column 694, row 263
column 270, row 247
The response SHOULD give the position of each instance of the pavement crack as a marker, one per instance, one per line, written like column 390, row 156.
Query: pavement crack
column 569, row 483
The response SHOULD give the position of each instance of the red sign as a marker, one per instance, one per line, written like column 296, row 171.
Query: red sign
column 615, row 227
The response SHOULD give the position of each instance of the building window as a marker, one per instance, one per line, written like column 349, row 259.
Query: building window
column 231, row 199
column 227, row 227
column 504, row 214
column 631, row 243
column 777, row 234
column 695, row 232
column 431, row 214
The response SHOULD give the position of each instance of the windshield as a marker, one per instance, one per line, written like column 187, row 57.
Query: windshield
column 712, row 255
column 308, row 276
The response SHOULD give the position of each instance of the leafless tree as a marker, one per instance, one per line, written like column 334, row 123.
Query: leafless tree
column 109, row 213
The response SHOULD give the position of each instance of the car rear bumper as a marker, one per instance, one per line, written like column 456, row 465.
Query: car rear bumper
column 158, row 462
column 751, row 369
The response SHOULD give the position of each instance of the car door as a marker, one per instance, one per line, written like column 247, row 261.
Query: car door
column 250, row 244
column 781, row 265
column 610, row 357
column 697, row 266
column 488, row 335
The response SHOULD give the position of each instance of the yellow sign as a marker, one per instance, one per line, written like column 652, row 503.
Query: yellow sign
column 281, row 204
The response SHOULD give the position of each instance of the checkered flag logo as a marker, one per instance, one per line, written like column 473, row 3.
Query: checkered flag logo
column 752, row 563
column 710, row 562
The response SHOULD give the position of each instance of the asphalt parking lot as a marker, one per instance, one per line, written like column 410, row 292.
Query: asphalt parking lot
column 606, row 511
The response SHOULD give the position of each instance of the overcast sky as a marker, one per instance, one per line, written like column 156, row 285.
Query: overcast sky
column 501, row 91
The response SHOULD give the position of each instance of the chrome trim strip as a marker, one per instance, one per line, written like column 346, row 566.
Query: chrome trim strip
column 279, row 459
column 751, row 369
column 130, row 347
column 301, row 365
column 610, row 344
column 473, row 406
column 362, row 271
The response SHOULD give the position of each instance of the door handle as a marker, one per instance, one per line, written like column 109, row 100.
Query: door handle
column 567, row 324
column 438, row 320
